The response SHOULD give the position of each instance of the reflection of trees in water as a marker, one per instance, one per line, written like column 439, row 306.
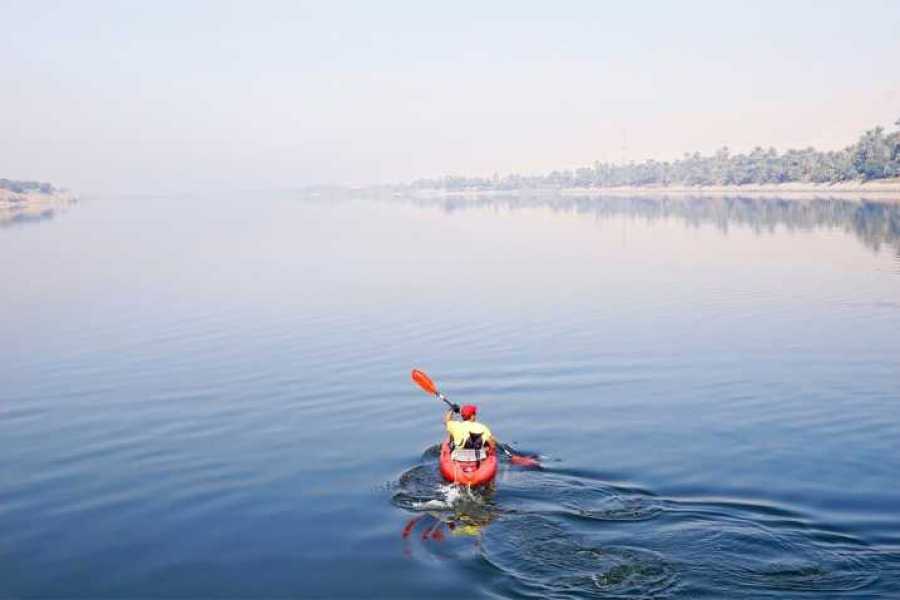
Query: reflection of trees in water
column 11, row 218
column 874, row 223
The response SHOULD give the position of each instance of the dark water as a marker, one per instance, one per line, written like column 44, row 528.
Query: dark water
column 211, row 397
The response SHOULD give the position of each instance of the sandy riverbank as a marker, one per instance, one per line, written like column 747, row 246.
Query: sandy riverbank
column 882, row 190
column 887, row 190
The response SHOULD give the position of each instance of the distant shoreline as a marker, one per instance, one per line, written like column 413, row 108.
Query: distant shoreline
column 32, row 205
column 884, row 190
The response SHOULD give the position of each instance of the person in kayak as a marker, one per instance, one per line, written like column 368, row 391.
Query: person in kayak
column 467, row 433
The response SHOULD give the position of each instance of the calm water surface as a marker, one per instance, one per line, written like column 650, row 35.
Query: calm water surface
column 211, row 397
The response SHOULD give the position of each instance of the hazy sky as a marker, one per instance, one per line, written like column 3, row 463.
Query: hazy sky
column 160, row 96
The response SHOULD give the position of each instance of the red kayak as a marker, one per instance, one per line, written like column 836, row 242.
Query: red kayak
column 472, row 471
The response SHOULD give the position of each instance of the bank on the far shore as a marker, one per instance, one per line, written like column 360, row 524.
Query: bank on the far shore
column 880, row 190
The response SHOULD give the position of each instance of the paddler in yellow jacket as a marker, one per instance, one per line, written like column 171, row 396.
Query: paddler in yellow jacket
column 466, row 433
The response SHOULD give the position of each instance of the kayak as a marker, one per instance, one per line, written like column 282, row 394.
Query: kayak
column 478, row 472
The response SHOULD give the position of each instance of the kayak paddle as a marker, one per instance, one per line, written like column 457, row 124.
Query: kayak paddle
column 425, row 382
column 519, row 459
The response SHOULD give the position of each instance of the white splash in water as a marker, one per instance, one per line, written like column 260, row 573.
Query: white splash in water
column 448, row 496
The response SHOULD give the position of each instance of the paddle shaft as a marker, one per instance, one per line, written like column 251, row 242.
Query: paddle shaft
column 444, row 398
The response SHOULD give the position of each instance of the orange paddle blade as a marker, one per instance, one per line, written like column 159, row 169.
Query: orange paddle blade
column 524, row 461
column 424, row 381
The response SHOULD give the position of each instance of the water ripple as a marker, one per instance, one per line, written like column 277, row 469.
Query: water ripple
column 551, row 493
column 545, row 559
column 753, row 556
column 763, row 547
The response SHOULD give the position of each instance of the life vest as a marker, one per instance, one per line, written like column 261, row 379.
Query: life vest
column 468, row 434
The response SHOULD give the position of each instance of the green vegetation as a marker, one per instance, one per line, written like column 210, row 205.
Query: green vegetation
column 24, row 187
column 26, row 201
column 875, row 156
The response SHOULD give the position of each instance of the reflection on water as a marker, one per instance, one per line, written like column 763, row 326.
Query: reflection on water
column 33, row 208
column 874, row 223
column 20, row 218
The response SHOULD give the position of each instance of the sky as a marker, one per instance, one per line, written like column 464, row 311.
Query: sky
column 163, row 96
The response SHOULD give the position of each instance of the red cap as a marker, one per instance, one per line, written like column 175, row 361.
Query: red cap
column 468, row 410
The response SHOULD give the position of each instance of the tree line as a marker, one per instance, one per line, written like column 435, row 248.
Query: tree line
column 23, row 187
column 876, row 155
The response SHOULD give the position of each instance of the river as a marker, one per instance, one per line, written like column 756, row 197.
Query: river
column 210, row 396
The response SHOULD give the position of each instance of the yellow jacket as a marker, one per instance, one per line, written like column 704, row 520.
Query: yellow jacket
column 460, row 430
